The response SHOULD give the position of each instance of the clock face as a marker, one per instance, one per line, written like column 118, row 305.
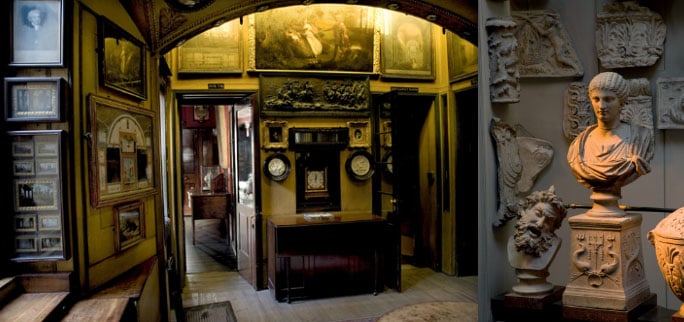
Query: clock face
column 360, row 165
column 315, row 180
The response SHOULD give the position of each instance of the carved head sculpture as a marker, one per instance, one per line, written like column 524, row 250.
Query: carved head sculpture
column 540, row 214
column 608, row 93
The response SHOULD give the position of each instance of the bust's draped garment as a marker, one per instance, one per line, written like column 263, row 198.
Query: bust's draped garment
column 598, row 166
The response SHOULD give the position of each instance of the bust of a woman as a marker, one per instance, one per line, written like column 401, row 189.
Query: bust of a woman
column 609, row 154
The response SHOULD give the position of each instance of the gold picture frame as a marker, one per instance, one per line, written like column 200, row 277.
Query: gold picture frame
column 407, row 50
column 116, row 174
column 34, row 99
column 129, row 222
column 275, row 135
column 359, row 134
column 122, row 60
column 215, row 51
column 462, row 57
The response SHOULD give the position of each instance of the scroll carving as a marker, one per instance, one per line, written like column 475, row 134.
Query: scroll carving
column 544, row 47
column 671, row 103
column 628, row 35
column 503, row 61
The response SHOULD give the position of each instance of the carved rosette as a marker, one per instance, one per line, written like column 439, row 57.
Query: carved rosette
column 544, row 47
column 628, row 35
column 504, row 86
column 668, row 239
column 606, row 263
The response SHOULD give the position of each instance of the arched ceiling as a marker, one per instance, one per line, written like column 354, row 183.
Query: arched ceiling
column 166, row 23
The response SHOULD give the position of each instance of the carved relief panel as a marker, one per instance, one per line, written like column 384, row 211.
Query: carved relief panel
column 671, row 103
column 544, row 47
column 628, row 35
column 503, row 61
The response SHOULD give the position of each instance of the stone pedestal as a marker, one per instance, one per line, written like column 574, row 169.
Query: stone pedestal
column 606, row 263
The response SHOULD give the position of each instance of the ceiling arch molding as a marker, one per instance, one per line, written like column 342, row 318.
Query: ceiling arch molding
column 166, row 25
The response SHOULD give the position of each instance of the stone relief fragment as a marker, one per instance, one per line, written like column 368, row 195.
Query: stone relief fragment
column 578, row 112
column 521, row 158
column 503, row 61
column 671, row 103
column 544, row 47
column 628, row 35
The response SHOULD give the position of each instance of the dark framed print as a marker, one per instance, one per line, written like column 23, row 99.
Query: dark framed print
column 407, row 51
column 129, row 220
column 37, row 189
column 122, row 60
column 462, row 57
column 25, row 223
column 215, row 51
column 37, row 36
column 318, row 37
column 34, row 99
column 122, row 152
column 275, row 135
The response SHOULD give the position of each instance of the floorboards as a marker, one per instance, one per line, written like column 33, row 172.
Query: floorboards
column 209, row 282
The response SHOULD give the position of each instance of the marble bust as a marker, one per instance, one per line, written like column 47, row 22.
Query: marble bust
column 535, row 244
column 609, row 154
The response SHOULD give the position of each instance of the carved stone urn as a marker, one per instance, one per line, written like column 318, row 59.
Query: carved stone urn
column 668, row 239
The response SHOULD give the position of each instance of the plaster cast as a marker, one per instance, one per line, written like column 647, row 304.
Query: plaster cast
column 504, row 86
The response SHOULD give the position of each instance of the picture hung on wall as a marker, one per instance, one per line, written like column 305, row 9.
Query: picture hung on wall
column 37, row 190
column 359, row 134
column 129, row 222
column 332, row 38
column 462, row 57
column 122, row 152
column 275, row 135
column 37, row 36
column 122, row 60
column 34, row 99
column 406, row 47
column 215, row 51
column 325, row 95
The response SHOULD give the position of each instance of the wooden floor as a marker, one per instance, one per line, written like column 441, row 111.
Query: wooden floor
column 216, row 284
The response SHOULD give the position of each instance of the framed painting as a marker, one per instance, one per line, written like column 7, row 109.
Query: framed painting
column 462, row 57
column 215, row 51
column 359, row 134
column 129, row 222
column 25, row 223
column 122, row 60
column 34, row 99
column 407, row 51
column 275, row 134
column 122, row 152
column 50, row 243
column 37, row 35
column 320, row 37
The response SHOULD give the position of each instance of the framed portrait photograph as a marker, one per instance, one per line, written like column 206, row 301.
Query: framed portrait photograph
column 122, row 152
column 462, row 57
column 122, row 60
column 129, row 221
column 329, row 37
column 359, row 134
column 275, row 134
column 406, row 48
column 37, row 35
column 34, row 99
column 215, row 51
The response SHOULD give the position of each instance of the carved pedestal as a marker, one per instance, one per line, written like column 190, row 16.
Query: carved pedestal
column 606, row 263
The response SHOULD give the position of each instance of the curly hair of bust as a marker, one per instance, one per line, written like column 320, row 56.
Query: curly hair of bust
column 612, row 82
column 547, row 196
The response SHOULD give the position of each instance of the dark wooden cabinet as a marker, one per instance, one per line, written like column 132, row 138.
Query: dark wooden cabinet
column 324, row 256
column 208, row 206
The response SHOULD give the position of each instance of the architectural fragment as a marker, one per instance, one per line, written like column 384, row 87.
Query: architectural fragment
column 668, row 239
column 628, row 35
column 578, row 113
column 521, row 158
column 670, row 103
column 503, row 61
column 544, row 47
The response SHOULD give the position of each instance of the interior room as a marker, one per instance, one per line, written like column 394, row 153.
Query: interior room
column 341, row 160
